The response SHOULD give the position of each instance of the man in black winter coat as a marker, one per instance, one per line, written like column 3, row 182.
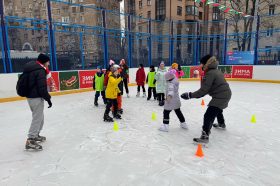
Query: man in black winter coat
column 214, row 84
column 37, row 86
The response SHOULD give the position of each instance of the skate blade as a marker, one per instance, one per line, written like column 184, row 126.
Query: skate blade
column 202, row 144
column 32, row 149
column 220, row 128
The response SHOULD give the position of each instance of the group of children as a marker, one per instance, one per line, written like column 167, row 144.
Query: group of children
column 110, row 86
column 164, row 86
column 156, row 81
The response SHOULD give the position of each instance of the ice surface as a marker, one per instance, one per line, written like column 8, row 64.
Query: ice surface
column 83, row 150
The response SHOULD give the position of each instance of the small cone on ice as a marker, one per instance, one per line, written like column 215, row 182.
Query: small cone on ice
column 253, row 119
column 116, row 126
column 202, row 102
column 154, row 116
column 199, row 151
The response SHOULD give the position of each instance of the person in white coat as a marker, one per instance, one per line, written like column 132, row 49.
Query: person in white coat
column 160, row 83
column 172, row 102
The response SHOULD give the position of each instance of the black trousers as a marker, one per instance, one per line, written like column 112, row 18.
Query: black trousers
column 97, row 94
column 125, row 83
column 178, row 112
column 143, row 88
column 160, row 96
column 110, row 103
column 150, row 90
column 209, row 118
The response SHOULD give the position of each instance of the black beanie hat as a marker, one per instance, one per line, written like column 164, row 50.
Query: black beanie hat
column 43, row 58
column 204, row 59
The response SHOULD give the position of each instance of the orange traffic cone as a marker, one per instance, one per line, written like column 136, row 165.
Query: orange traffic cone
column 202, row 102
column 199, row 151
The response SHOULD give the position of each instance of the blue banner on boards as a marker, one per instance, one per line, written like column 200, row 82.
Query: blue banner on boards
column 240, row 58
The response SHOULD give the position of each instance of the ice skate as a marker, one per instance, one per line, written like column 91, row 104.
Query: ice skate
column 138, row 94
column 96, row 104
column 184, row 125
column 127, row 95
column 164, row 128
column 161, row 103
column 204, row 138
column 40, row 138
column 144, row 94
column 219, row 126
column 120, row 111
column 117, row 116
column 107, row 118
column 32, row 144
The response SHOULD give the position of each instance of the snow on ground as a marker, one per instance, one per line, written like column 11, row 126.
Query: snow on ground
column 83, row 150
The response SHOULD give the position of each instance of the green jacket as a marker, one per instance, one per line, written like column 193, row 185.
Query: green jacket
column 98, row 82
column 150, row 79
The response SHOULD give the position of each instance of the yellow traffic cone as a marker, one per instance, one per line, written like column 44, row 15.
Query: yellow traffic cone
column 253, row 119
column 154, row 116
column 116, row 126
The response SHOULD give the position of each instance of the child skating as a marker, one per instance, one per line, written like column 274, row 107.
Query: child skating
column 150, row 80
column 172, row 102
column 160, row 83
column 112, row 91
column 140, row 80
column 98, row 85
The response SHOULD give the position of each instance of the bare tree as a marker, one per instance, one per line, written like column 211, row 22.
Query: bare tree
column 243, row 26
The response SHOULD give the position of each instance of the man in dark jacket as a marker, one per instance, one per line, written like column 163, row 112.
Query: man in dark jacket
column 214, row 84
column 37, row 94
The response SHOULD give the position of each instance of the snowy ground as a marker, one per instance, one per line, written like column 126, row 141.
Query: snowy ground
column 83, row 150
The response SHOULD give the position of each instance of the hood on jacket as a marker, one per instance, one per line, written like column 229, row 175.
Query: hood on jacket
column 212, row 63
column 31, row 66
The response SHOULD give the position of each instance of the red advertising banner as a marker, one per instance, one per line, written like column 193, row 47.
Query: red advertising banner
column 245, row 72
column 86, row 78
column 53, row 82
column 196, row 72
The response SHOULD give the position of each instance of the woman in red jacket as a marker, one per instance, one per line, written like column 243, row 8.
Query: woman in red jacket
column 140, row 80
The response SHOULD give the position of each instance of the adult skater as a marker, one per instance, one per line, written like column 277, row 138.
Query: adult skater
column 214, row 84
column 37, row 86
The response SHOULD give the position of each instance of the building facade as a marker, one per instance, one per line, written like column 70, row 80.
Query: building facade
column 69, row 20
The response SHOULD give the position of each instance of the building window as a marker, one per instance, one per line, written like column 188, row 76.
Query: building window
column 140, row 4
column 271, row 9
column 73, row 9
column 65, row 19
column 191, row 10
column 82, row 19
column 269, row 32
column 149, row 14
column 149, row 2
column 179, row 10
column 268, row 50
column 81, row 9
column 160, row 9
column 216, row 13
column 200, row 15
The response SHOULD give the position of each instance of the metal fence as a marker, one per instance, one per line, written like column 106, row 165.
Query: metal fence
column 106, row 34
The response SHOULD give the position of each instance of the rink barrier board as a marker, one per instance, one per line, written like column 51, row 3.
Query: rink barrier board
column 81, row 81
column 61, row 93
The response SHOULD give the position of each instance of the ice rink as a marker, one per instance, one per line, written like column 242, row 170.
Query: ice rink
column 82, row 150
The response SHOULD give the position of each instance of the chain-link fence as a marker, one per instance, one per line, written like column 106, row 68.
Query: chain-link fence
column 83, row 36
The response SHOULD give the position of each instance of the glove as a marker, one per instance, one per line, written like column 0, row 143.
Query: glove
column 50, row 103
column 186, row 95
